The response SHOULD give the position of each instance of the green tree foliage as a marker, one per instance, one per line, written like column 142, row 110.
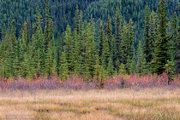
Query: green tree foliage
column 101, row 42
column 147, row 42
column 177, row 56
column 99, row 73
column 118, row 38
column 110, row 68
column 64, row 72
column 109, row 35
column 122, row 69
column 131, row 39
column 124, row 44
column 170, row 69
column 161, row 50
column 87, row 49
column 141, row 61
column 68, row 48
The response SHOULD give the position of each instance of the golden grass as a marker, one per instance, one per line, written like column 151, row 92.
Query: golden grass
column 123, row 104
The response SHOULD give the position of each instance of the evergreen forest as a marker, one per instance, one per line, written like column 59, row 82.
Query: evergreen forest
column 89, row 38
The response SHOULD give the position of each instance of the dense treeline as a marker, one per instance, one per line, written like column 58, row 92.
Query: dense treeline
column 62, row 12
column 90, row 52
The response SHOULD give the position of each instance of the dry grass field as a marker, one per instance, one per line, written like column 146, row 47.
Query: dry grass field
column 121, row 104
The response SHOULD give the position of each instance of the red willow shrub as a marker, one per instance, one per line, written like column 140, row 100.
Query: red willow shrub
column 78, row 82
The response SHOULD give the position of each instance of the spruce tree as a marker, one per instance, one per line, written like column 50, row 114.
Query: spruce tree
column 118, row 38
column 64, row 72
column 38, row 52
column 68, row 48
column 131, row 39
column 77, row 21
column 122, row 69
column 105, row 53
column 161, row 49
column 50, row 62
column 141, row 61
column 174, row 41
column 177, row 56
column 5, row 57
column 152, row 37
column 13, row 47
column 132, row 67
column 99, row 73
column 90, row 49
column 59, row 51
column 47, row 27
column 110, row 67
column 124, row 44
column 109, row 34
column 101, row 42
column 147, row 42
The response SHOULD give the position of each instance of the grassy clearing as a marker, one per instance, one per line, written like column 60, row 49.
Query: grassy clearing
column 124, row 104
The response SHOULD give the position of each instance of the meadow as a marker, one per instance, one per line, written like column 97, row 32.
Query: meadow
column 124, row 97
column 118, row 104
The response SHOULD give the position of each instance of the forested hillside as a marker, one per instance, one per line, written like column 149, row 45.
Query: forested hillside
column 101, row 38
column 62, row 11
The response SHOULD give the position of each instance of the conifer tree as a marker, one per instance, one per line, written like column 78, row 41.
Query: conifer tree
column 110, row 68
column 109, row 34
column 90, row 49
column 13, row 47
column 101, row 42
column 47, row 27
column 173, row 42
column 64, row 72
column 152, row 37
column 118, row 38
column 170, row 70
column 50, row 63
column 161, row 50
column 27, row 33
column 3, row 33
column 147, row 42
column 122, row 69
column 59, row 51
column 105, row 53
column 78, row 57
column 68, row 48
column 131, row 39
column 38, row 45
column 124, row 44
column 5, row 58
column 77, row 19
column 141, row 61
column 99, row 73
column 132, row 67
column 177, row 56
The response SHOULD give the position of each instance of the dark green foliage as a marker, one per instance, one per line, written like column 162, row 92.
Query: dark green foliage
column 109, row 35
column 110, row 68
column 131, row 39
column 86, row 49
column 122, row 69
column 177, row 56
column 124, row 44
column 118, row 38
column 141, row 61
column 68, row 48
column 99, row 73
column 147, row 40
column 64, row 72
column 101, row 42
column 161, row 50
